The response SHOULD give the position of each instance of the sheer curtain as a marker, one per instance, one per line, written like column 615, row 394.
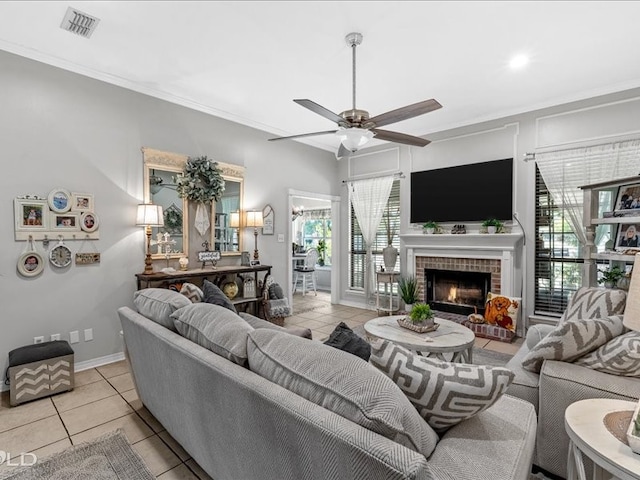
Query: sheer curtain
column 369, row 199
column 566, row 170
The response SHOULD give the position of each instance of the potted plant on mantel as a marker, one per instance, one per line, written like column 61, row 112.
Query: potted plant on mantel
column 430, row 227
column 409, row 291
column 493, row 225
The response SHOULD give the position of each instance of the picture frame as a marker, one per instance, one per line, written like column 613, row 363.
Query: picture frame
column 87, row 258
column 59, row 200
column 89, row 222
column 31, row 215
column 69, row 222
column 268, row 220
column 245, row 259
column 628, row 237
column 30, row 264
column 628, row 200
column 82, row 202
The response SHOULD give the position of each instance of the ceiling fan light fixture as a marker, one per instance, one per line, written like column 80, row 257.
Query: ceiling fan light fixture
column 354, row 138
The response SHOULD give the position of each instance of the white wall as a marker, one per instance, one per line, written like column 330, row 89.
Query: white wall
column 59, row 129
column 594, row 121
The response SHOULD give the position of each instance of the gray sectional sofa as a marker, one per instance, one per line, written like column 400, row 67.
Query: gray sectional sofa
column 239, row 425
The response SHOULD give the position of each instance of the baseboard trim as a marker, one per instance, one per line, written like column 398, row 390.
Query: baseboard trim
column 86, row 365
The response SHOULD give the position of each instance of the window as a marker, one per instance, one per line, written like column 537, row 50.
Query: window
column 316, row 233
column 357, row 253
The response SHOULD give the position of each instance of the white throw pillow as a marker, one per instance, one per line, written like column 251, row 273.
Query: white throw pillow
column 594, row 302
column 444, row 393
column 620, row 356
column 571, row 340
column 158, row 304
column 342, row 383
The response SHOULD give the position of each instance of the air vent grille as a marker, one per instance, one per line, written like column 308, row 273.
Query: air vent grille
column 78, row 22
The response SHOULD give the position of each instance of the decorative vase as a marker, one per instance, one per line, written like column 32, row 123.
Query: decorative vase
column 429, row 231
column 390, row 257
column 408, row 307
column 184, row 263
column 491, row 229
column 609, row 284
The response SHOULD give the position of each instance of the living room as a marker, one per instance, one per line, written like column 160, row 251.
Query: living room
column 62, row 128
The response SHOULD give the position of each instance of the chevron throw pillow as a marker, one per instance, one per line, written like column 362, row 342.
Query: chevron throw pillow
column 620, row 356
column 444, row 393
column 571, row 340
column 593, row 302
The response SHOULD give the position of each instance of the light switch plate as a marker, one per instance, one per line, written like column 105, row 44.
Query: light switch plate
column 88, row 334
column 74, row 337
column 281, row 237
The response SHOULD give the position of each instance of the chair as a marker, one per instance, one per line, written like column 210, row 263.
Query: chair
column 306, row 272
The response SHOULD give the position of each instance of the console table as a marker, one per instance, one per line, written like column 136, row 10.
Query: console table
column 215, row 275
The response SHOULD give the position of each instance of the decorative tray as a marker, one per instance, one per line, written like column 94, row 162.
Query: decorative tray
column 634, row 440
column 408, row 324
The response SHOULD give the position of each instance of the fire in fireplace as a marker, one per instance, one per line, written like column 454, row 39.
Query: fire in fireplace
column 456, row 291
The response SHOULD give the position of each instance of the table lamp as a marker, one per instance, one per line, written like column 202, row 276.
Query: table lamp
column 234, row 219
column 254, row 219
column 148, row 216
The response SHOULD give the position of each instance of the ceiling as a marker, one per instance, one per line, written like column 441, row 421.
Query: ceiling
column 246, row 61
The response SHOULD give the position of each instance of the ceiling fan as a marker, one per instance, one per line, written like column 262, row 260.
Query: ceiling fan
column 357, row 127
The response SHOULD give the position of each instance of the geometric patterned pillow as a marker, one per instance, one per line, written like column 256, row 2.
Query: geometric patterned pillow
column 192, row 292
column 620, row 356
column 594, row 302
column 573, row 339
column 444, row 393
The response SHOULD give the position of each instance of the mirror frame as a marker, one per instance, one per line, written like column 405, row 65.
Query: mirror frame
column 231, row 173
column 168, row 162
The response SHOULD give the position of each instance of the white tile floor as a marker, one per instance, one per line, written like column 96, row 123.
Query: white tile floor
column 104, row 399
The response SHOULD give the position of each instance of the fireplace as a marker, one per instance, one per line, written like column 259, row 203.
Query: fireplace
column 456, row 291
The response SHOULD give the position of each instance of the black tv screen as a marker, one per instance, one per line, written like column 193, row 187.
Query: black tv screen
column 473, row 192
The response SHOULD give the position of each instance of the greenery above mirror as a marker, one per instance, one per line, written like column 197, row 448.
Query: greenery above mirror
column 201, row 181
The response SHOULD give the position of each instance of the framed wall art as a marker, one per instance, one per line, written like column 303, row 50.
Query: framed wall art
column 30, row 264
column 627, row 237
column 31, row 215
column 65, row 221
column 89, row 222
column 81, row 202
column 628, row 201
column 59, row 200
column 268, row 218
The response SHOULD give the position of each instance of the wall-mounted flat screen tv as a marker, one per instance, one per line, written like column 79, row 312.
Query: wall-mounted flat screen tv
column 463, row 193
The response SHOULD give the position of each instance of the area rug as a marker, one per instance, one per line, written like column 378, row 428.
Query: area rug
column 109, row 457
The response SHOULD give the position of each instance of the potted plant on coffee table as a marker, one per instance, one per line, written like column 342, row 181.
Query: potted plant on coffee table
column 493, row 225
column 420, row 319
column 409, row 291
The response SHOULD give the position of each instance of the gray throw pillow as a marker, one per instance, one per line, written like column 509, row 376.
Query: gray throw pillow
column 275, row 292
column 620, row 356
column 213, row 294
column 158, row 304
column 347, row 340
column 342, row 383
column 214, row 328
column 444, row 393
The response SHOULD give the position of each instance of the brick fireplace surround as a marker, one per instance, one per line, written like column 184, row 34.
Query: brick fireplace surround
column 497, row 254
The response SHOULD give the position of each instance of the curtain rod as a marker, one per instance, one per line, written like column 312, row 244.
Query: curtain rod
column 395, row 175
column 532, row 156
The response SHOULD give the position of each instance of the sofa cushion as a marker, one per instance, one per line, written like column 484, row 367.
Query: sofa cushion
column 213, row 294
column 593, row 302
column 214, row 328
column 573, row 339
column 158, row 304
column 620, row 356
column 342, row 383
column 444, row 393
column 256, row 323
column 346, row 340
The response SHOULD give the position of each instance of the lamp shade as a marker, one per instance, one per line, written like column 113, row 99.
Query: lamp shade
column 253, row 219
column 631, row 318
column 149, row 215
column 234, row 219
column 354, row 138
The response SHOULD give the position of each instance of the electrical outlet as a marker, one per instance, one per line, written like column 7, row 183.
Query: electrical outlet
column 55, row 336
column 38, row 339
column 88, row 334
column 281, row 237
column 74, row 337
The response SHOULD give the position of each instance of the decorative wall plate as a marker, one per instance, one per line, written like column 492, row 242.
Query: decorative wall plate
column 60, row 255
column 59, row 200
column 30, row 264
column 89, row 222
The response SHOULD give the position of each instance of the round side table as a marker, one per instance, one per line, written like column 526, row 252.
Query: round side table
column 584, row 422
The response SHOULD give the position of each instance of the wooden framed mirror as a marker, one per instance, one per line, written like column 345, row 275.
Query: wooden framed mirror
column 227, row 211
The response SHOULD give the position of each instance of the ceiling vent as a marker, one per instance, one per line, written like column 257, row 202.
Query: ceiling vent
column 80, row 23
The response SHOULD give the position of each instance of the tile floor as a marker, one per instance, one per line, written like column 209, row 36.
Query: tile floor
column 104, row 399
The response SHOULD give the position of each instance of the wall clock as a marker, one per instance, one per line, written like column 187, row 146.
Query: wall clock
column 60, row 255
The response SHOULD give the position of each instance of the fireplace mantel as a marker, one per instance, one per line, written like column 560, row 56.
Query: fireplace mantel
column 505, row 247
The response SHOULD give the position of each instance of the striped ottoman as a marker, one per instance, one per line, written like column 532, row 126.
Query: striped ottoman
column 40, row 370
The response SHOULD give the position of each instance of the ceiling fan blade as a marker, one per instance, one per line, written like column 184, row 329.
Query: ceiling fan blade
column 405, row 113
column 343, row 152
column 320, row 110
column 303, row 135
column 400, row 138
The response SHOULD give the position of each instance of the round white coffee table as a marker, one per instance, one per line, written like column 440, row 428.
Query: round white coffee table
column 450, row 337
column 588, row 435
